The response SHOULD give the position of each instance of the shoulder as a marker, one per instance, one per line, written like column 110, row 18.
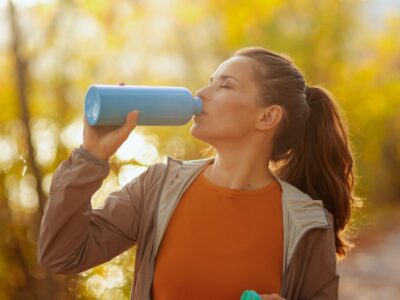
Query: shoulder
column 303, row 211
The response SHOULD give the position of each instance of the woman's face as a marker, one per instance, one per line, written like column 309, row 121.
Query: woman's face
column 229, row 103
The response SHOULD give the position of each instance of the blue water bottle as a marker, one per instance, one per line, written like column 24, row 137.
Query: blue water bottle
column 110, row 104
column 250, row 295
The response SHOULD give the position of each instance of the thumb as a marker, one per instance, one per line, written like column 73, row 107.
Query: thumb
column 129, row 125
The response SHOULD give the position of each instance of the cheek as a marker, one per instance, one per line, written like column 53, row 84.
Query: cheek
column 234, row 114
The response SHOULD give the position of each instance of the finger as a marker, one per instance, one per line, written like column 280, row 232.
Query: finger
column 271, row 297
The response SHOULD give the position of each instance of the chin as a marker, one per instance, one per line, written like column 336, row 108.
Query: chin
column 200, row 132
column 196, row 131
column 207, row 135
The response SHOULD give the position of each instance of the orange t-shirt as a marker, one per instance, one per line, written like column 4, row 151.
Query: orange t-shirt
column 220, row 242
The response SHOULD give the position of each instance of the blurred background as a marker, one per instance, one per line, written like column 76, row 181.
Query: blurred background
column 51, row 51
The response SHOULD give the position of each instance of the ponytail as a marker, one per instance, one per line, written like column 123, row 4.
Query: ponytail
column 321, row 162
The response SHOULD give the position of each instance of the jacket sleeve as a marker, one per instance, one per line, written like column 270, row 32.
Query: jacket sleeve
column 73, row 237
column 321, row 281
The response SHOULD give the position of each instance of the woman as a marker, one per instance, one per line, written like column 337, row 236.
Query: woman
column 266, row 213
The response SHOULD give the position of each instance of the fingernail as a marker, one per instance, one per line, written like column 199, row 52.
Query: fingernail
column 132, row 116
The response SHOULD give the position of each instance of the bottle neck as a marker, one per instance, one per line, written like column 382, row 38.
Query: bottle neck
column 198, row 106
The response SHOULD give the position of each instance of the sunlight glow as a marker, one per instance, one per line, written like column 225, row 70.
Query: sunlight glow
column 134, row 144
column 31, row 2
column 8, row 152
column 96, row 285
column 176, row 147
column 110, row 184
column 45, row 140
column 46, row 182
column 71, row 135
column 135, row 147
column 128, row 172
column 112, row 277
column 22, row 196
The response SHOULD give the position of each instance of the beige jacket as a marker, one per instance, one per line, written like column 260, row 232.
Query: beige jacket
column 74, row 237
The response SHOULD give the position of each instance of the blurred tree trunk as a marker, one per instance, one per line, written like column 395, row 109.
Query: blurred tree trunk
column 21, row 65
column 39, row 284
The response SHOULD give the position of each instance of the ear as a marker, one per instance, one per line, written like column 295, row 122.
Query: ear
column 269, row 117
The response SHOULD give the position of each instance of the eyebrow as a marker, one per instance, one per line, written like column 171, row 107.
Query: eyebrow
column 222, row 77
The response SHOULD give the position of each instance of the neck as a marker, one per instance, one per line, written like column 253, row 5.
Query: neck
column 239, row 171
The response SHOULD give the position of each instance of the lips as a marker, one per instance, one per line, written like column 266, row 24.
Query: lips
column 198, row 116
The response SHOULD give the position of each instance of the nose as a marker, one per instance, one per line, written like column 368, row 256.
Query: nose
column 201, row 93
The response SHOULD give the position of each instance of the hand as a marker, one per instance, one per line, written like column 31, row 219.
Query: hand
column 104, row 141
column 271, row 297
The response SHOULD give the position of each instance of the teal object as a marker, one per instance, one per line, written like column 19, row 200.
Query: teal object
column 157, row 105
column 250, row 295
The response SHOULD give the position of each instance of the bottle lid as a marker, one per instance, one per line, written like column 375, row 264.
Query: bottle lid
column 250, row 295
column 92, row 105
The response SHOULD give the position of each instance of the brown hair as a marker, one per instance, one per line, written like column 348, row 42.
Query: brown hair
column 311, row 150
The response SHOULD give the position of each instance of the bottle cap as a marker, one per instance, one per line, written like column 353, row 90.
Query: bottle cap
column 250, row 295
column 92, row 105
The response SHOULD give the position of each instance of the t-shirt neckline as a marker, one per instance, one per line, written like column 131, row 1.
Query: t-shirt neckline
column 230, row 191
